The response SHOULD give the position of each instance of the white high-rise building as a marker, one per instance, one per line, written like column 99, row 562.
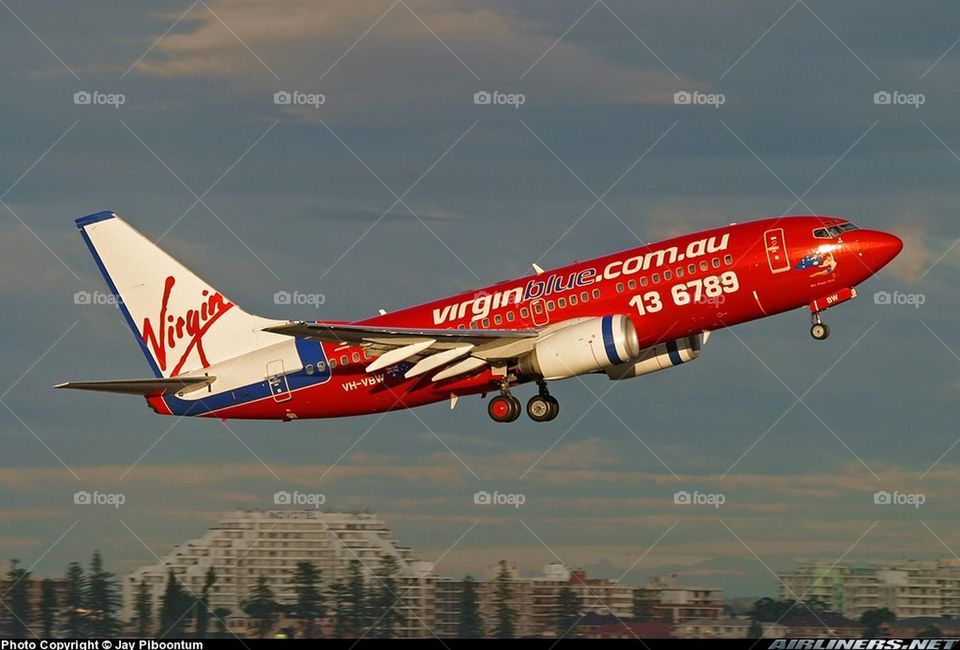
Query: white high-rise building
column 245, row 545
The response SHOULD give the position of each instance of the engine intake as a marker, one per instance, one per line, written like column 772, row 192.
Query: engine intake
column 588, row 346
column 659, row 357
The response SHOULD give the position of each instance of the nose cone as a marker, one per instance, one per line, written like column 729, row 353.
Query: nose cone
column 878, row 248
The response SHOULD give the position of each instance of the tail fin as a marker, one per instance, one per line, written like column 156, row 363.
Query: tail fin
column 181, row 323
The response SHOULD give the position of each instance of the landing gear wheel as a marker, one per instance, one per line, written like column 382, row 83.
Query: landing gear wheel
column 819, row 331
column 554, row 407
column 504, row 408
column 542, row 408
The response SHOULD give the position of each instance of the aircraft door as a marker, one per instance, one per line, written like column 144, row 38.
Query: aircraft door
column 277, row 381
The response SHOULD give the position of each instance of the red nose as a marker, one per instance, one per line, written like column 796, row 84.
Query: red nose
column 878, row 248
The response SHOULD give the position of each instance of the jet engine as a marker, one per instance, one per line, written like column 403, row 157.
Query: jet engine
column 591, row 345
column 659, row 357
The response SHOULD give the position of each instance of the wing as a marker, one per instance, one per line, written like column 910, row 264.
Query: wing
column 456, row 351
column 152, row 386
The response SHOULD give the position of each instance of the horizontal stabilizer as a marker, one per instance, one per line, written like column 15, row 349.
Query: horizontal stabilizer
column 153, row 386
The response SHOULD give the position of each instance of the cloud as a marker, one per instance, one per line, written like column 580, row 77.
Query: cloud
column 302, row 43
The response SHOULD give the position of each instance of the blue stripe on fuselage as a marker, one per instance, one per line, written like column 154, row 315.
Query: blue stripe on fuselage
column 311, row 354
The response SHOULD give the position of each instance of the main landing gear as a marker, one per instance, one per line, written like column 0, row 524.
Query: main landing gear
column 504, row 407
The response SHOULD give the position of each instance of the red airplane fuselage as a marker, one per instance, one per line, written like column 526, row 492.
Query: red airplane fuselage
column 671, row 290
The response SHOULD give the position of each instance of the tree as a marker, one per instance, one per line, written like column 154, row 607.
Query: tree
column 16, row 602
column 262, row 606
column 220, row 615
column 930, row 632
column 755, row 631
column 384, row 608
column 338, row 597
column 75, row 587
column 174, row 608
column 768, row 610
column 103, row 598
column 202, row 605
column 471, row 624
column 873, row 619
column 356, row 593
column 48, row 606
column 143, row 609
column 503, row 592
column 310, row 606
column 567, row 614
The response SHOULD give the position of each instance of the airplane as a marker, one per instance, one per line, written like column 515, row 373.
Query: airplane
column 622, row 315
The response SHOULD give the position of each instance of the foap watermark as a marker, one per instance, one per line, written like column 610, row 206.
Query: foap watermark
column 497, row 98
column 697, row 498
column 712, row 301
column 914, row 300
column 895, row 498
column 97, row 98
column 697, row 98
column 298, row 498
column 897, row 98
column 484, row 498
column 96, row 498
column 95, row 298
column 297, row 98
column 298, row 298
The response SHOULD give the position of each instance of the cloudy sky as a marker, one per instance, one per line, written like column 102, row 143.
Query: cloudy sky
column 399, row 188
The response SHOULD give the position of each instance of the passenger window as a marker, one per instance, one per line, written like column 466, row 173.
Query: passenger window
column 703, row 265
column 333, row 363
column 485, row 323
column 619, row 287
column 656, row 278
column 632, row 284
column 524, row 312
column 643, row 281
column 461, row 326
column 550, row 305
column 728, row 259
column 679, row 271
column 321, row 366
column 692, row 269
column 596, row 293
column 356, row 357
column 667, row 276
column 510, row 316
column 538, row 308
column 343, row 360
column 497, row 319
column 561, row 302
column 308, row 368
column 584, row 297
column 573, row 299
column 716, row 262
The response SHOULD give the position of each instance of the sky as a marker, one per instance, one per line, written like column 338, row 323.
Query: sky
column 398, row 188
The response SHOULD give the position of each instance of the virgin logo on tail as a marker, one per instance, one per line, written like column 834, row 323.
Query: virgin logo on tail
column 173, row 331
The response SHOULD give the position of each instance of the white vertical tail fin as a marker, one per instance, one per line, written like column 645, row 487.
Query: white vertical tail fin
column 182, row 324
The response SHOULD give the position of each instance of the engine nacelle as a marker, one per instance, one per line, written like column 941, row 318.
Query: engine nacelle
column 588, row 346
column 659, row 357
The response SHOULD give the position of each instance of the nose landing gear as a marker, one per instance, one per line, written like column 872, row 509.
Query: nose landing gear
column 818, row 330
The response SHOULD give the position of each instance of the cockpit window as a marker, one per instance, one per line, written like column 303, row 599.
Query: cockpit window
column 834, row 231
